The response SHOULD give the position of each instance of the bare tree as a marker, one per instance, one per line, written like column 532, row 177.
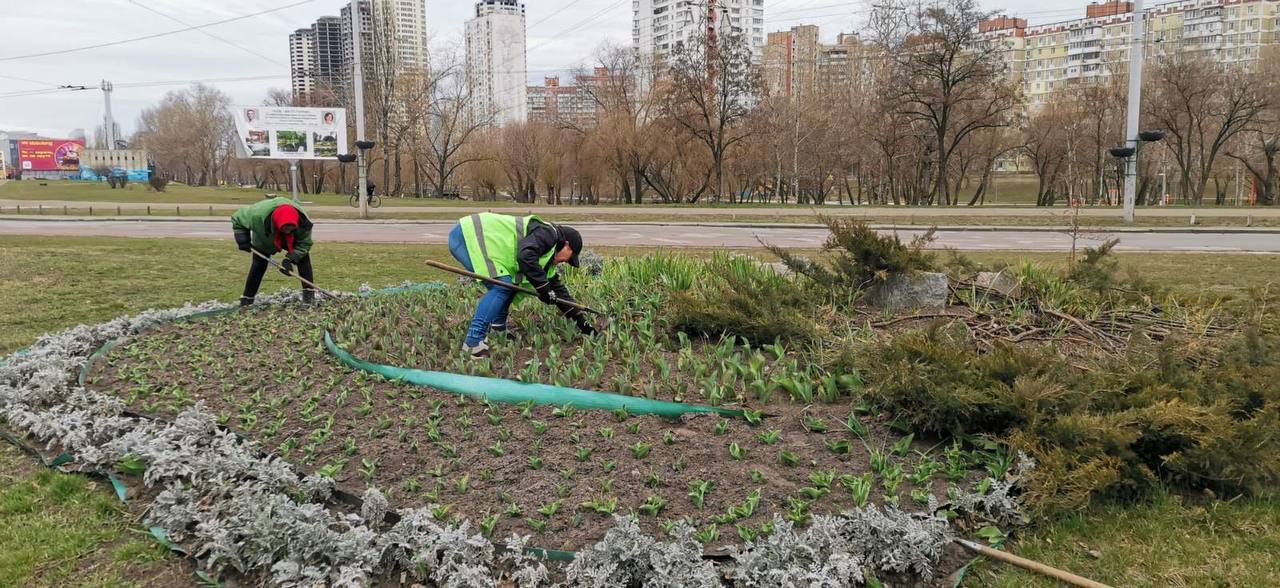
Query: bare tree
column 1201, row 105
column 951, row 80
column 189, row 133
column 712, row 88
column 626, row 100
column 448, row 122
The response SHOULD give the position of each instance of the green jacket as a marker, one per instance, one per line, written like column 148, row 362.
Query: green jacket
column 492, row 243
column 256, row 218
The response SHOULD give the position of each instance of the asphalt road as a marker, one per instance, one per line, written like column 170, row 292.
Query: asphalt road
column 654, row 235
column 394, row 205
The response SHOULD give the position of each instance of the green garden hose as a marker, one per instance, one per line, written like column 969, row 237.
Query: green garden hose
column 512, row 392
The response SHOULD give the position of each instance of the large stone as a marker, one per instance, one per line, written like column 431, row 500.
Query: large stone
column 922, row 290
column 1001, row 281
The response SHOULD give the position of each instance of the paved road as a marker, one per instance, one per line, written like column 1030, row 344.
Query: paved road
column 1050, row 214
column 605, row 234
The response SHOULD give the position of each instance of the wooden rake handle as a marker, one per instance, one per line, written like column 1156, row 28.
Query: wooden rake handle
column 1035, row 566
column 327, row 293
column 521, row 289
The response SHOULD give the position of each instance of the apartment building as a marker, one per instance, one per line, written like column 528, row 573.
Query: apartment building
column 496, row 60
column 302, row 62
column 320, row 56
column 1050, row 57
column 659, row 26
column 796, row 64
column 556, row 104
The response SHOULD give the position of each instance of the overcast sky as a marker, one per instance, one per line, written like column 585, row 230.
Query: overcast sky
column 562, row 35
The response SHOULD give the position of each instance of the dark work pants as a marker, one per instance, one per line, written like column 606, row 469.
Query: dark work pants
column 258, row 268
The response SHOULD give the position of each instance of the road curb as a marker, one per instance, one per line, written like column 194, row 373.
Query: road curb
column 1090, row 230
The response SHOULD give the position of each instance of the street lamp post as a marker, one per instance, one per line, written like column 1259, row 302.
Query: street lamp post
column 1130, row 155
column 1134, row 110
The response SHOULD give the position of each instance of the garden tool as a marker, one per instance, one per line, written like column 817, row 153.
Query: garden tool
column 1034, row 566
column 273, row 262
column 521, row 289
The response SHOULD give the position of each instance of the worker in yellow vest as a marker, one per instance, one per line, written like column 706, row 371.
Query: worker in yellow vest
column 519, row 250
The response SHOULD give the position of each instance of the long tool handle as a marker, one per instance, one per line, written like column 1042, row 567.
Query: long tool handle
column 1034, row 566
column 488, row 280
column 327, row 293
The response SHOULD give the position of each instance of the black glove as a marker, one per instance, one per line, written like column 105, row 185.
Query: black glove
column 584, row 326
column 286, row 267
column 242, row 240
column 546, row 293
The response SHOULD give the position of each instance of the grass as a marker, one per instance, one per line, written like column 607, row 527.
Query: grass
column 57, row 282
column 78, row 191
column 65, row 530
column 1164, row 543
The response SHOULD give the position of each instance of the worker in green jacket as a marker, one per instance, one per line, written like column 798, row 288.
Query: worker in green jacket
column 522, row 250
column 272, row 226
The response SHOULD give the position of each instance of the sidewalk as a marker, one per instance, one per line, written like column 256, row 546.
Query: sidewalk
column 1088, row 231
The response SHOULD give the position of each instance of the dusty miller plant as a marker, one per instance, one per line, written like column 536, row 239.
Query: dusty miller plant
column 237, row 508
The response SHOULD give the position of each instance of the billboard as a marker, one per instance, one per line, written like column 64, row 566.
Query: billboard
column 49, row 155
column 287, row 132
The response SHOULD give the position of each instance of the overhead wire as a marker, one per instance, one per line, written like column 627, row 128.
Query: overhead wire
column 29, row 80
column 126, row 85
column 553, row 14
column 207, row 33
column 155, row 35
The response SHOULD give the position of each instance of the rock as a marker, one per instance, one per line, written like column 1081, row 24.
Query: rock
column 923, row 290
column 1001, row 281
column 777, row 266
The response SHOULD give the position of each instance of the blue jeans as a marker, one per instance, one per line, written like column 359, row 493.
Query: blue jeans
column 496, row 303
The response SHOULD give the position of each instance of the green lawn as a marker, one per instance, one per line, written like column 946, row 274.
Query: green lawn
column 1165, row 543
column 69, row 530
column 57, row 282
column 78, row 191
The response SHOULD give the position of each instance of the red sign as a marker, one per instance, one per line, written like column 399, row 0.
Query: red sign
column 49, row 154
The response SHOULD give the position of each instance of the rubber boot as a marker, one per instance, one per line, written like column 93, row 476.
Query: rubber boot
column 246, row 301
column 308, row 296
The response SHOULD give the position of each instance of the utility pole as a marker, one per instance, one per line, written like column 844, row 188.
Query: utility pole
column 1134, row 111
column 358, row 79
column 110, row 128
column 293, row 178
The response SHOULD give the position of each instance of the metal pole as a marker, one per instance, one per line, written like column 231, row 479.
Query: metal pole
column 110, row 130
column 293, row 178
column 1134, row 111
column 358, row 78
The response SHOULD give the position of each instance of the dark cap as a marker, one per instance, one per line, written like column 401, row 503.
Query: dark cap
column 574, row 238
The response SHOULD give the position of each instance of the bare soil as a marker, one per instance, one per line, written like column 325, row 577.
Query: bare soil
column 265, row 372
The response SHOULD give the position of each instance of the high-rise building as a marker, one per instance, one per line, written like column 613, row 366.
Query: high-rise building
column 301, row 62
column 366, row 36
column 326, row 35
column 797, row 64
column 1047, row 58
column 496, row 60
column 316, row 59
column 659, row 26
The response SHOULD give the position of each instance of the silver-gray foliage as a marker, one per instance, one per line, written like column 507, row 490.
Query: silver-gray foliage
column 835, row 550
column 235, row 507
column 629, row 557
column 999, row 504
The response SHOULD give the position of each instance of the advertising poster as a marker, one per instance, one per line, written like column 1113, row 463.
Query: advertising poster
column 286, row 132
column 49, row 155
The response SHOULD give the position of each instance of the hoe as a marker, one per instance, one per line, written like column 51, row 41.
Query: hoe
column 462, row 272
